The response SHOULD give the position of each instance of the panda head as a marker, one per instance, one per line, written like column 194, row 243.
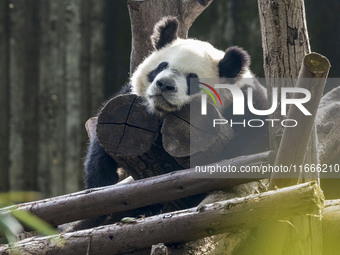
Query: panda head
column 163, row 78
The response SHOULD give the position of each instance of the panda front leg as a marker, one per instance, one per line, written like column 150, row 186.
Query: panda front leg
column 100, row 168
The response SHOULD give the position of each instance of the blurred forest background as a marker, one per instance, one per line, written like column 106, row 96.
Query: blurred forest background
column 61, row 59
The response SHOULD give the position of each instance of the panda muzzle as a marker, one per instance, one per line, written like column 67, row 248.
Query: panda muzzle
column 166, row 85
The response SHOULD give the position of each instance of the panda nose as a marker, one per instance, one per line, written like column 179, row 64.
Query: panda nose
column 165, row 85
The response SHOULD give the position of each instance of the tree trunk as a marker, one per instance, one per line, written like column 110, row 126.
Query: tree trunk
column 58, row 59
column 60, row 97
column 23, row 70
column 4, row 96
column 285, row 42
column 146, row 14
column 206, row 220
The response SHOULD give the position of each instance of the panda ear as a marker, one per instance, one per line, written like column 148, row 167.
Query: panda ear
column 234, row 63
column 164, row 32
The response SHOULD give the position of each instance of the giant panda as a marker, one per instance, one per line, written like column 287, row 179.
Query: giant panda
column 162, row 81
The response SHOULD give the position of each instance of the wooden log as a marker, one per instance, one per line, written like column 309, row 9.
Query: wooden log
column 331, row 227
column 292, row 150
column 118, row 198
column 146, row 14
column 183, row 226
column 125, row 128
column 198, row 141
column 130, row 135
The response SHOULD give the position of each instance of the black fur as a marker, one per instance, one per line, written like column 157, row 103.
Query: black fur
column 192, row 84
column 165, row 31
column 100, row 168
column 152, row 75
column 234, row 63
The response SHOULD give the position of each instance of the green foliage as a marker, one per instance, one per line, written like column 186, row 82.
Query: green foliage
column 34, row 223
column 11, row 219
column 10, row 227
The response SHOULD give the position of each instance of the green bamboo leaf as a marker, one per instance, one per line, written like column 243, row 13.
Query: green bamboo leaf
column 34, row 222
column 9, row 227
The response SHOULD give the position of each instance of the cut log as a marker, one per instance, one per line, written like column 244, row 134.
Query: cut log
column 125, row 128
column 183, row 226
column 292, row 150
column 198, row 141
column 119, row 198
column 130, row 135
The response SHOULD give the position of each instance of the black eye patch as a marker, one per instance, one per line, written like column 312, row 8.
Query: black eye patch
column 152, row 75
column 192, row 84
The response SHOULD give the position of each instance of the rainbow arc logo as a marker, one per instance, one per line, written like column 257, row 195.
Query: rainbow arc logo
column 209, row 93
